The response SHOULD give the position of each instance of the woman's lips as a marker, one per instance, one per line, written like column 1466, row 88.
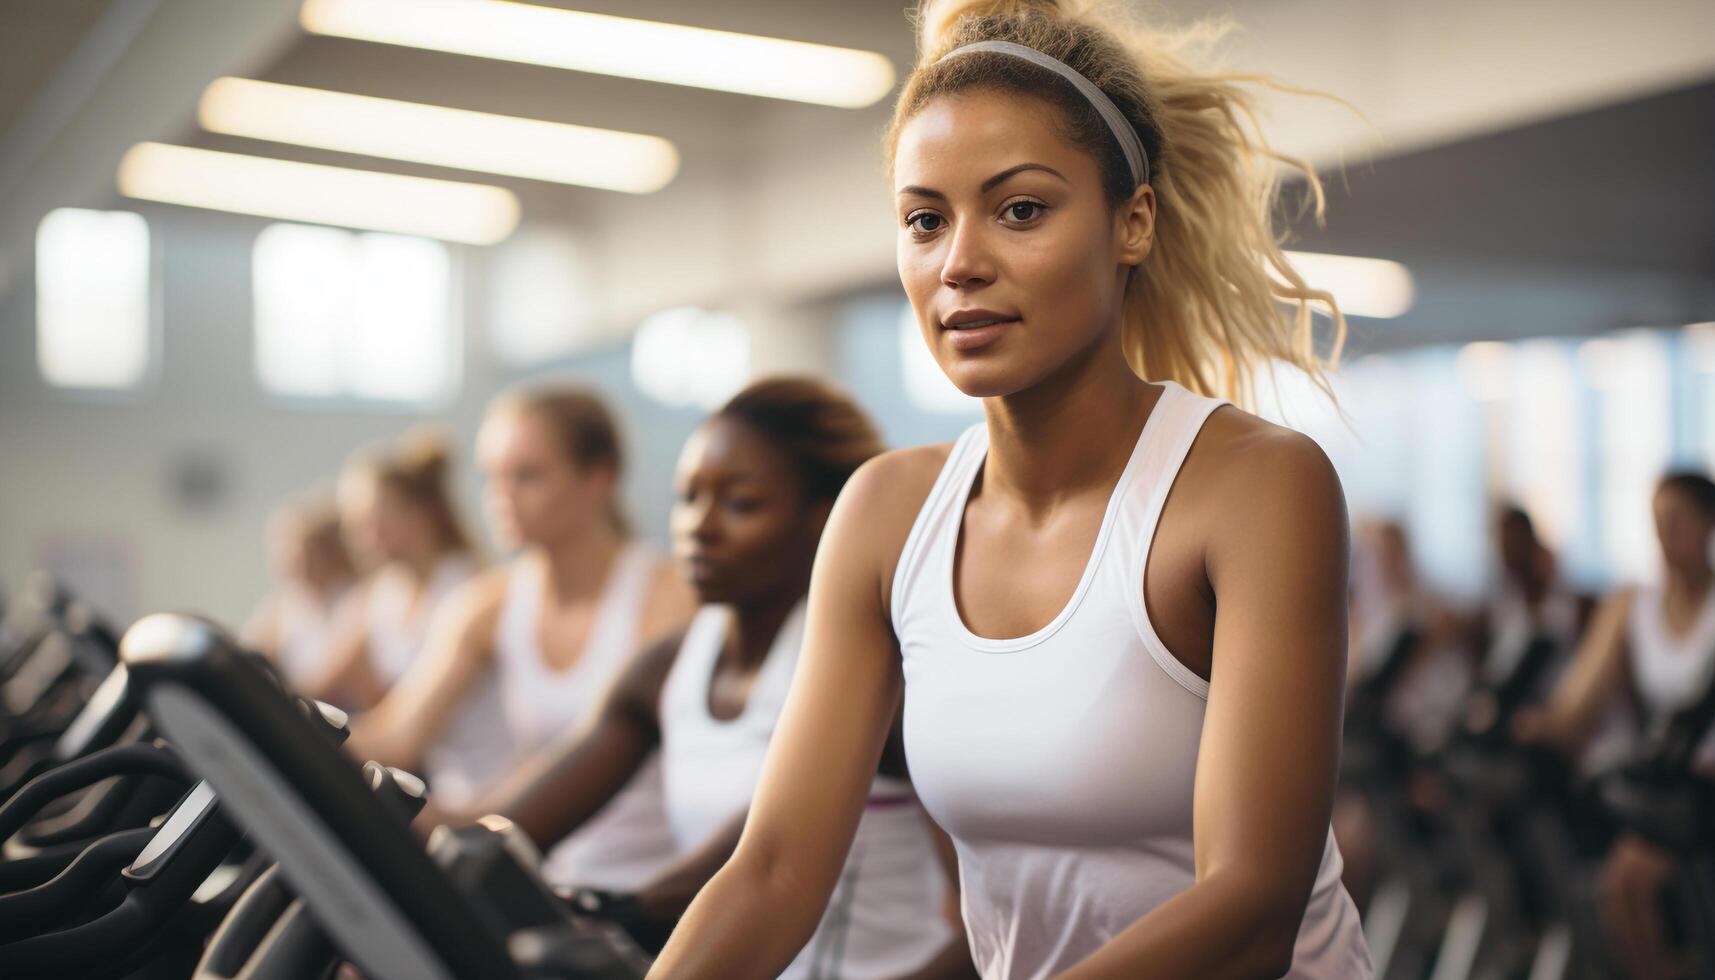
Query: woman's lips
column 967, row 337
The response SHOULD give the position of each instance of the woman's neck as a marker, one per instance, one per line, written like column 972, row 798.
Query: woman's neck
column 578, row 568
column 1689, row 586
column 421, row 567
column 1069, row 433
column 755, row 625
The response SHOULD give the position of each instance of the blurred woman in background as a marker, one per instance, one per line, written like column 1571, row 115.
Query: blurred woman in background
column 1655, row 646
column 526, row 649
column 755, row 484
column 400, row 521
column 313, row 574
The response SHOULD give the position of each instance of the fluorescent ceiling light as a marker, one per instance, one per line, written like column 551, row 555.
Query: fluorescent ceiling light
column 475, row 214
column 437, row 135
column 607, row 45
column 1362, row 287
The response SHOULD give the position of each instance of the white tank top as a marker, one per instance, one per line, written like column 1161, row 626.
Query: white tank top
column 1513, row 625
column 884, row 918
column 305, row 623
column 626, row 844
column 397, row 626
column 1062, row 763
column 1671, row 672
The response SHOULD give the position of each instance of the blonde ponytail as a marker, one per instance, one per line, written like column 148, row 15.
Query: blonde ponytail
column 1205, row 309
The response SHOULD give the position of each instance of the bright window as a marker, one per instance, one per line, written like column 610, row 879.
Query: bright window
column 1630, row 374
column 92, row 298
column 342, row 314
column 690, row 357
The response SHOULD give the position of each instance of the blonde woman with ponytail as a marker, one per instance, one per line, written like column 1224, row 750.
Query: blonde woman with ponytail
column 524, row 651
column 1115, row 609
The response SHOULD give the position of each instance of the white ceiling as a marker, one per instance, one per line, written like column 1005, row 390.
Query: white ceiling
column 787, row 200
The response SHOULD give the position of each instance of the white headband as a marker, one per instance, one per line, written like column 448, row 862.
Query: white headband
column 1122, row 129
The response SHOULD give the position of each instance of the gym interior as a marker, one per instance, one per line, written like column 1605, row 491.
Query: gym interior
column 257, row 253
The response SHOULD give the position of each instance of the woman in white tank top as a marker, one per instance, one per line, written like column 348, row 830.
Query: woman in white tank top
column 524, row 650
column 294, row 625
column 1656, row 643
column 397, row 513
column 754, row 487
column 1115, row 610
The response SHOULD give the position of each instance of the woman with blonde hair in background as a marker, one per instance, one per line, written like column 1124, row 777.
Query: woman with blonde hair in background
column 526, row 648
column 402, row 526
column 1116, row 609
column 313, row 577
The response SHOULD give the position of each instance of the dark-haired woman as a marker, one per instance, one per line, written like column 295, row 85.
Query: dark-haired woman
column 1657, row 644
column 526, row 649
column 1116, row 609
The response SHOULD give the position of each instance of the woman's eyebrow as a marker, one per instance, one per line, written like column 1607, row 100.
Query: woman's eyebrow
column 995, row 181
column 987, row 185
column 914, row 190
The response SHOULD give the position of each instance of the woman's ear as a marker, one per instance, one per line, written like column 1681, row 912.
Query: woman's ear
column 1135, row 226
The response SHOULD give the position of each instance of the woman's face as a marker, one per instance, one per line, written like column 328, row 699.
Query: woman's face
column 1008, row 249
column 741, row 529
column 534, row 493
column 357, row 518
column 381, row 524
column 287, row 552
column 1682, row 530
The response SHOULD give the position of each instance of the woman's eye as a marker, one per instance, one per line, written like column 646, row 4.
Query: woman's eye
column 924, row 222
column 1023, row 211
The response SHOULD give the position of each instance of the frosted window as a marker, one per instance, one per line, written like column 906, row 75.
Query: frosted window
column 540, row 293
column 1544, row 439
column 1631, row 378
column 690, row 357
column 341, row 314
column 92, row 298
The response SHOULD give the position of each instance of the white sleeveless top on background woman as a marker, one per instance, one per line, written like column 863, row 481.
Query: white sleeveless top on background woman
column 1513, row 625
column 399, row 627
column 626, row 844
column 474, row 749
column 305, row 629
column 1670, row 673
column 1063, row 762
column 884, row 919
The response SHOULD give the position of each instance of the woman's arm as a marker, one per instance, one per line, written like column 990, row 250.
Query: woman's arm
column 757, row 913
column 347, row 676
column 1276, row 558
column 1597, row 673
column 460, row 645
column 560, row 788
column 262, row 630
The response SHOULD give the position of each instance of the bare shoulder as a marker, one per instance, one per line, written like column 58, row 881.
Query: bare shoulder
column 878, row 506
column 1240, row 458
column 1262, row 493
column 475, row 606
column 885, row 493
column 641, row 682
